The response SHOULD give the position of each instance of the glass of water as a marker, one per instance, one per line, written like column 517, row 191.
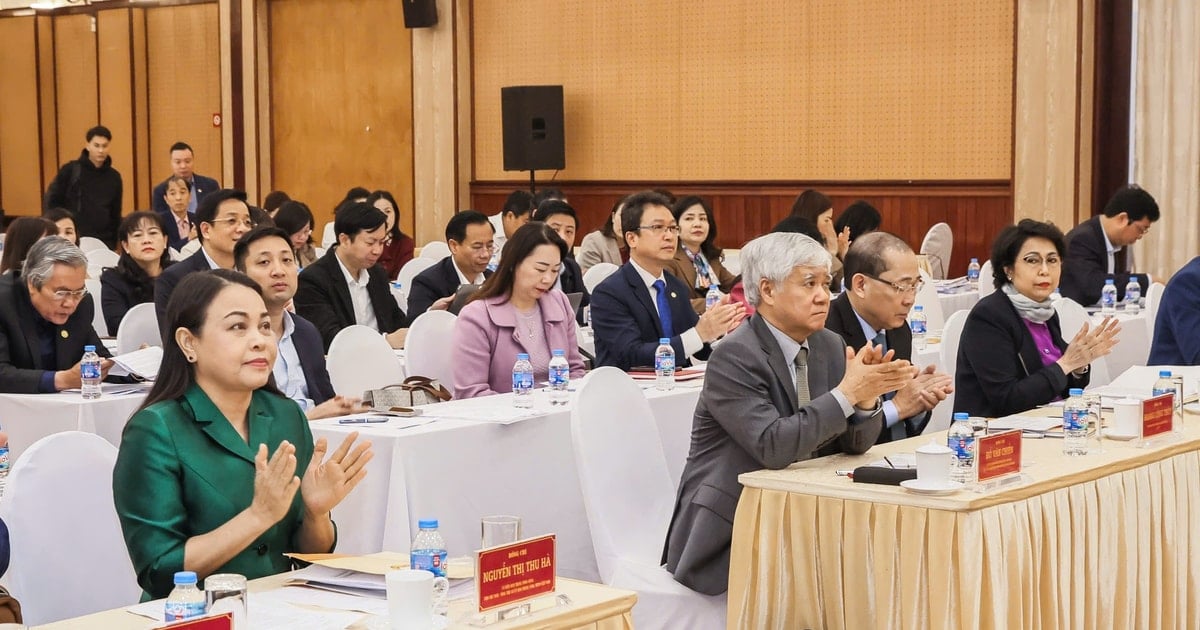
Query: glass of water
column 1095, row 418
column 500, row 530
column 226, row 592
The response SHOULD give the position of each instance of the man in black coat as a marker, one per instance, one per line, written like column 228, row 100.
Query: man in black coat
column 882, row 281
column 199, row 186
column 561, row 218
column 469, row 235
column 1099, row 248
column 345, row 287
column 90, row 188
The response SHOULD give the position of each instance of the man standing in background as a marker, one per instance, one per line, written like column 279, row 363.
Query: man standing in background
column 91, row 188
column 182, row 159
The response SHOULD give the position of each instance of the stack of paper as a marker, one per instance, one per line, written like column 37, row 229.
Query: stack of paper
column 140, row 363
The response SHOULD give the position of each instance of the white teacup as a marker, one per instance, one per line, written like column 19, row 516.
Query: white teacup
column 933, row 463
column 412, row 595
column 1127, row 417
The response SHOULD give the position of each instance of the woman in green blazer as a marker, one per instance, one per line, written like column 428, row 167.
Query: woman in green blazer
column 206, row 480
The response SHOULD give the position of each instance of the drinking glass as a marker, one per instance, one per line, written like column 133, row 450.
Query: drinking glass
column 226, row 592
column 500, row 530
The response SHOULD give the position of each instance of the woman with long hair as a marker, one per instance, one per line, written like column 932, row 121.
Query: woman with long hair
column 818, row 208
column 698, row 259
column 22, row 233
column 65, row 220
column 143, row 240
column 516, row 310
column 295, row 218
column 606, row 244
column 398, row 249
column 217, row 471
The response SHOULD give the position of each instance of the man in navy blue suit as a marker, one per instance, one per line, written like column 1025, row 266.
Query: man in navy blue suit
column 639, row 304
column 199, row 186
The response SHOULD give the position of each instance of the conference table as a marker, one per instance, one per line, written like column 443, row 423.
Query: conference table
column 1104, row 540
column 28, row 418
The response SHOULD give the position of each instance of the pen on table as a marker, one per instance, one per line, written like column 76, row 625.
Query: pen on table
column 845, row 473
column 372, row 420
column 889, row 462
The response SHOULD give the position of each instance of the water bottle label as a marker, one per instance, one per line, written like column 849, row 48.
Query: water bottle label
column 1075, row 419
column 972, row 274
column 433, row 561
column 963, row 446
column 559, row 375
column 917, row 326
column 3, row 460
column 1159, row 392
column 178, row 611
column 1108, row 298
column 522, row 381
column 90, row 369
column 663, row 363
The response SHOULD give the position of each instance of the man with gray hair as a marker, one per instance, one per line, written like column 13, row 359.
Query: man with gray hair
column 779, row 389
column 46, row 320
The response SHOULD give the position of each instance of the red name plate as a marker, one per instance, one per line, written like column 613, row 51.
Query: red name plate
column 222, row 621
column 998, row 455
column 514, row 573
column 1158, row 415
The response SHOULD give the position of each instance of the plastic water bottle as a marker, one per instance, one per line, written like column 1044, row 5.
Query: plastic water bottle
column 522, row 384
column 560, row 378
column 1108, row 297
column 89, row 372
column 961, row 439
column 917, row 322
column 973, row 273
column 664, row 365
column 185, row 601
column 712, row 298
column 428, row 551
column 4, row 463
column 1164, row 385
column 1133, row 294
column 1075, row 424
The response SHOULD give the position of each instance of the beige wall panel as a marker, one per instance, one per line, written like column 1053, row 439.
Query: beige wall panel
column 341, row 101
column 757, row 89
column 141, row 109
column 184, row 79
column 76, row 82
column 49, row 107
column 20, row 183
column 435, row 128
column 114, row 41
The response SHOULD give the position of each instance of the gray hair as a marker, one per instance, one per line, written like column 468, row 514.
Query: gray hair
column 47, row 252
column 774, row 256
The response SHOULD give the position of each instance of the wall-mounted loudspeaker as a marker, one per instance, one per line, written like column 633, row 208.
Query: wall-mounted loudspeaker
column 533, row 127
column 420, row 13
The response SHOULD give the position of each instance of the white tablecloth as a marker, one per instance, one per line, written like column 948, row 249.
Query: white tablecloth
column 458, row 471
column 29, row 417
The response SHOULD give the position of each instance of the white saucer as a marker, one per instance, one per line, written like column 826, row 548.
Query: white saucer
column 931, row 488
column 1192, row 407
column 1124, row 437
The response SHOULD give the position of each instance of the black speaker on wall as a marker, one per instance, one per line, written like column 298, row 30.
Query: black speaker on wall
column 533, row 127
column 420, row 13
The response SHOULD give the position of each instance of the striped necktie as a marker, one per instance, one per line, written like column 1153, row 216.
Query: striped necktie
column 801, row 361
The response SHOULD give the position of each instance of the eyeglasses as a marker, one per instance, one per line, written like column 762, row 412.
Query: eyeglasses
column 1033, row 260
column 657, row 230
column 906, row 287
column 233, row 221
column 63, row 295
column 1142, row 229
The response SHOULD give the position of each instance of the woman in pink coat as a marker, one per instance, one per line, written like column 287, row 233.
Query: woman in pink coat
column 518, row 309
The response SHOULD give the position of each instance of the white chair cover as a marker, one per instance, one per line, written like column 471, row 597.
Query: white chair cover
column 1071, row 318
column 987, row 284
column 435, row 250
column 328, row 237
column 732, row 261
column 427, row 349
column 102, row 258
column 937, row 247
column 190, row 248
column 597, row 273
column 91, row 243
column 92, row 283
column 68, row 555
column 139, row 326
column 927, row 297
column 174, row 254
column 361, row 359
column 1153, row 300
column 951, row 336
column 406, row 275
column 319, row 252
column 629, row 496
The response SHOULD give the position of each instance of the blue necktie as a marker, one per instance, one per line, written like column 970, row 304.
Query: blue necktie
column 664, row 309
column 900, row 429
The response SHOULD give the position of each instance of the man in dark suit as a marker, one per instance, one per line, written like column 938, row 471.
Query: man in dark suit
column 469, row 236
column 345, row 286
column 882, row 280
column 1099, row 248
column 561, row 218
column 46, row 320
column 265, row 254
column 776, row 391
column 222, row 219
column 200, row 186
column 639, row 304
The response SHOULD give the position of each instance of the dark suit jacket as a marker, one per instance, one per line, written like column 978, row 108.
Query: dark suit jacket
column 1086, row 265
column 1175, row 339
column 572, row 282
column 165, row 284
column 324, row 299
column 174, row 238
column 626, row 322
column 843, row 321
column 311, row 351
column 21, row 365
column 121, row 293
column 682, row 267
column 433, row 284
column 748, row 419
column 1000, row 370
column 201, row 186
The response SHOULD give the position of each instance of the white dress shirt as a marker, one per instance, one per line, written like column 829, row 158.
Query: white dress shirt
column 289, row 374
column 363, row 313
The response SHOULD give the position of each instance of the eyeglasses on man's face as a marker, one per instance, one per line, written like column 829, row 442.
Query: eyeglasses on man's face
column 658, row 230
column 62, row 295
column 900, row 287
column 231, row 222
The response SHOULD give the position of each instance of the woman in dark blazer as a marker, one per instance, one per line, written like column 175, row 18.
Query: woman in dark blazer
column 143, row 243
column 217, row 471
column 1012, row 357
column 698, row 259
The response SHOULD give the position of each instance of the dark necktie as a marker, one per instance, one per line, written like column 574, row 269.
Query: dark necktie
column 899, row 431
column 880, row 340
column 664, row 309
column 803, row 397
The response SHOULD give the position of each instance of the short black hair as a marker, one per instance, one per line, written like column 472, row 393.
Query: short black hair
column 357, row 217
column 811, row 204
column 275, row 200
column 799, row 225
column 1135, row 202
column 260, row 216
column 861, row 217
column 356, row 192
column 519, row 203
column 182, row 146
column 242, row 248
column 1009, row 241
column 635, row 206
column 551, row 207
column 57, row 214
column 99, row 130
column 866, row 255
column 456, row 227
column 293, row 216
column 206, row 211
column 546, row 194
